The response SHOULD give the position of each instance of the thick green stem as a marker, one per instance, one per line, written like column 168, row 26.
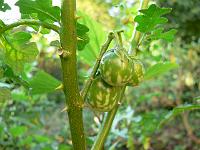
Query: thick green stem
column 136, row 34
column 99, row 142
column 105, row 128
column 29, row 22
column 96, row 66
column 68, row 38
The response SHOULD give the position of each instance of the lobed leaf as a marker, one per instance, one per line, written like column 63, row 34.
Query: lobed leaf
column 43, row 9
column 151, row 17
column 159, row 69
column 159, row 34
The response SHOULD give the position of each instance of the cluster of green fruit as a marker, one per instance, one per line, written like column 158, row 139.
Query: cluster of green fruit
column 117, row 69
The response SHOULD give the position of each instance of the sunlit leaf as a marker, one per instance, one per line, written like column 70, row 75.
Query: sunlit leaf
column 43, row 9
column 159, row 34
column 151, row 17
column 178, row 110
column 159, row 69
column 43, row 82
column 17, row 50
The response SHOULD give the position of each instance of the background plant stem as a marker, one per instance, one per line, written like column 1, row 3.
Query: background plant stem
column 74, row 101
column 102, row 135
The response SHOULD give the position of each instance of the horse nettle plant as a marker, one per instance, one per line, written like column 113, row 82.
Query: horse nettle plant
column 113, row 71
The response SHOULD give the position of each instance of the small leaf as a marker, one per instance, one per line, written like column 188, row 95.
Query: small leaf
column 178, row 110
column 159, row 34
column 158, row 69
column 82, row 36
column 43, row 9
column 4, row 6
column 43, row 82
column 151, row 17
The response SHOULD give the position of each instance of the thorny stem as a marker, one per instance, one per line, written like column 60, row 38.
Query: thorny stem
column 68, row 38
column 96, row 66
column 29, row 22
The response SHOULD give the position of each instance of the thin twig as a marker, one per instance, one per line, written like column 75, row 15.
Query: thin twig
column 96, row 66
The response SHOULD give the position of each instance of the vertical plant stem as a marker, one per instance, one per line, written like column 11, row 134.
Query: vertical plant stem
column 74, row 101
column 105, row 128
column 136, row 34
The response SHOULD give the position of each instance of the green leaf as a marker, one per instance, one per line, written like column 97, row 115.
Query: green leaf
column 83, row 37
column 42, row 139
column 17, row 50
column 43, row 9
column 97, row 36
column 159, row 34
column 178, row 110
column 18, row 131
column 159, row 69
column 4, row 6
column 43, row 82
column 151, row 17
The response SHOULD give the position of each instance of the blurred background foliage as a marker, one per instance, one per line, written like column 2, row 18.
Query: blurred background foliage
column 34, row 119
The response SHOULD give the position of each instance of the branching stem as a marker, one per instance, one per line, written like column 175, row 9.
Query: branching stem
column 96, row 66
column 29, row 22
column 102, row 135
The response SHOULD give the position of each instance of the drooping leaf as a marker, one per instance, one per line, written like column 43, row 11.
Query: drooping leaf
column 17, row 50
column 159, row 34
column 159, row 69
column 4, row 6
column 178, row 110
column 43, row 82
column 43, row 9
column 151, row 17
column 83, row 37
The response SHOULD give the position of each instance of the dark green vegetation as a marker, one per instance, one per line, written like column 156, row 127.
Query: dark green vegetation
column 159, row 108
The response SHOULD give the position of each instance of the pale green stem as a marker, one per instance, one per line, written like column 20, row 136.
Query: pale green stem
column 29, row 22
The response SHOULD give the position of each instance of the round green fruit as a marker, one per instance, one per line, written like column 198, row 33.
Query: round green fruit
column 101, row 96
column 116, row 67
column 138, row 73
